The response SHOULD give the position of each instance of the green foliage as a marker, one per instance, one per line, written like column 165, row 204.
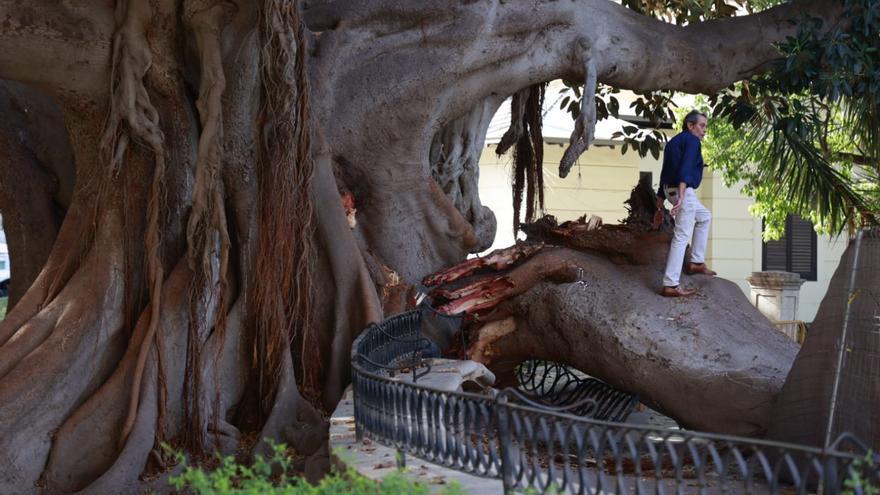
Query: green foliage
column 860, row 479
column 744, row 159
column 804, row 138
column 655, row 107
column 3, row 302
column 272, row 476
column 812, row 125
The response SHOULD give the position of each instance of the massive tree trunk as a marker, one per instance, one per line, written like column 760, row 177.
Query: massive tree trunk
column 205, row 272
column 37, row 173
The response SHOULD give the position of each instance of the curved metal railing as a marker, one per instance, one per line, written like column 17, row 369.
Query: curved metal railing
column 533, row 448
column 554, row 383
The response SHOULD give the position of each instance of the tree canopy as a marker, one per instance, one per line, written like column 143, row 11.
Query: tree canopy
column 810, row 126
column 803, row 135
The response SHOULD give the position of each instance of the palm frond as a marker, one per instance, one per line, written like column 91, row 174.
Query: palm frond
column 794, row 168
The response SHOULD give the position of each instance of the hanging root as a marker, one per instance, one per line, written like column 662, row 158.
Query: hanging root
column 281, row 291
column 528, row 154
column 534, row 166
column 517, row 127
column 585, row 125
column 132, row 114
column 207, row 233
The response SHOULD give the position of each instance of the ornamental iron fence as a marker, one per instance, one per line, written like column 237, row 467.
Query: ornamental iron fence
column 546, row 437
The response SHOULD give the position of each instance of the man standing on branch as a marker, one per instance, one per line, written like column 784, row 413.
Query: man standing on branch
column 681, row 176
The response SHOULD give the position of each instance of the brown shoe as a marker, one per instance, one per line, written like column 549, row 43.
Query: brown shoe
column 695, row 268
column 677, row 291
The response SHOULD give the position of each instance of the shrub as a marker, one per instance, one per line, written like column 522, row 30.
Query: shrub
column 862, row 476
column 232, row 478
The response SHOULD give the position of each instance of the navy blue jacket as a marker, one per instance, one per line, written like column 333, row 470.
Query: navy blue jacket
column 682, row 162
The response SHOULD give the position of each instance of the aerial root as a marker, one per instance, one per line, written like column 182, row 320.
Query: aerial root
column 207, row 232
column 281, row 298
column 526, row 138
column 585, row 126
column 133, row 114
column 516, row 129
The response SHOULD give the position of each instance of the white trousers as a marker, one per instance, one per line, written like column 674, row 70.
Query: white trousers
column 692, row 219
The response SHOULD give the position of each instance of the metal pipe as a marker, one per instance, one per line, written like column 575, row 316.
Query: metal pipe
column 842, row 343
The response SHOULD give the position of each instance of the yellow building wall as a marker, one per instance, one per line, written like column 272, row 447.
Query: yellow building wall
column 731, row 250
column 597, row 185
column 601, row 181
column 735, row 244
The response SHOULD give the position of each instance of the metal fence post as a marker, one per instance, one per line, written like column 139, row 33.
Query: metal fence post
column 502, row 413
column 841, row 343
column 355, row 408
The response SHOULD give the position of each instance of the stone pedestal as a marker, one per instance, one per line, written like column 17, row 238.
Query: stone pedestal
column 776, row 294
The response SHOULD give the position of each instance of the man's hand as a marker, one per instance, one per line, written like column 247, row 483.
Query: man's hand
column 677, row 206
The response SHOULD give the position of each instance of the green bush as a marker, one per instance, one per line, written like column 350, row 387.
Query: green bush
column 231, row 478
column 3, row 301
column 862, row 475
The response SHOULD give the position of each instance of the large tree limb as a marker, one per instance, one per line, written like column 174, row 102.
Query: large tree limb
column 382, row 139
column 712, row 362
column 512, row 45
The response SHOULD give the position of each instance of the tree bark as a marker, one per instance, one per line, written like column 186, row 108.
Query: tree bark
column 382, row 138
column 145, row 324
column 588, row 295
column 37, row 174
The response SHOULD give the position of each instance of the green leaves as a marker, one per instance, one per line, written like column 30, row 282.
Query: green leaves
column 812, row 125
column 689, row 11
column 803, row 138
column 794, row 154
column 656, row 108
column 643, row 141
column 273, row 476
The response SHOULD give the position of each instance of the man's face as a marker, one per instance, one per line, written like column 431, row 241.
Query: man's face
column 699, row 128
